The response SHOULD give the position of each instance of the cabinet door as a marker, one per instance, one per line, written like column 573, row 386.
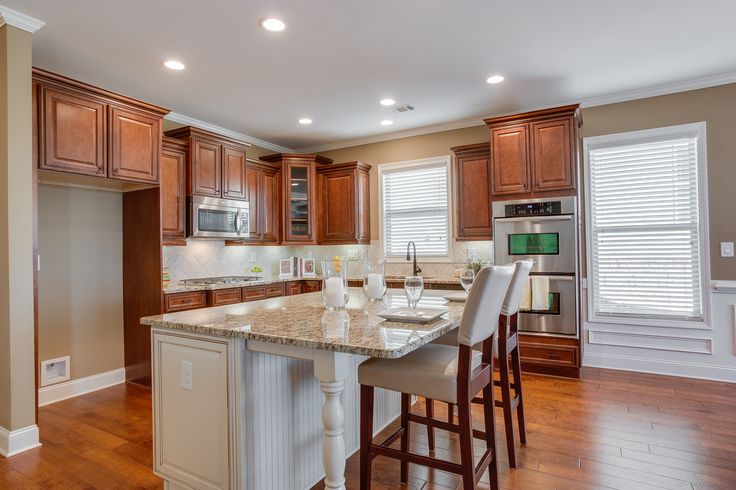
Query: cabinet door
column 554, row 162
column 293, row 287
column 253, row 194
column 299, row 212
column 311, row 286
column 473, row 198
column 173, row 199
column 271, row 206
column 135, row 145
column 233, row 173
column 73, row 137
column 338, row 206
column 206, row 168
column 364, row 207
column 510, row 160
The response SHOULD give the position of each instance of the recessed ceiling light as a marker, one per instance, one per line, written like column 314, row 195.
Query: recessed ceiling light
column 494, row 79
column 273, row 24
column 386, row 122
column 174, row 65
column 305, row 120
column 387, row 102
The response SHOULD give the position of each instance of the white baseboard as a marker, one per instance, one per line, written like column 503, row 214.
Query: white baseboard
column 17, row 441
column 76, row 387
column 658, row 366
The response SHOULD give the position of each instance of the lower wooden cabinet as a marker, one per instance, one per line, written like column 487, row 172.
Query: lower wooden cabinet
column 311, row 286
column 184, row 301
column 253, row 293
column 274, row 290
column 293, row 287
column 550, row 355
column 219, row 297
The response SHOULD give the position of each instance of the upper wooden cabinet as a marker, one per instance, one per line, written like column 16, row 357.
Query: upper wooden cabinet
column 87, row 130
column 216, row 166
column 344, row 209
column 535, row 154
column 473, row 191
column 264, row 197
column 299, row 191
column 173, row 191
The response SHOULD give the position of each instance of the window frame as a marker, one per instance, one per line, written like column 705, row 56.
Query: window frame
column 422, row 162
column 697, row 130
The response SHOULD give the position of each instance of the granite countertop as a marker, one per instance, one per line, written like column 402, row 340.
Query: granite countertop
column 182, row 288
column 303, row 321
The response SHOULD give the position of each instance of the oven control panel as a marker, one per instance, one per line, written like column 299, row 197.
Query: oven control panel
column 533, row 209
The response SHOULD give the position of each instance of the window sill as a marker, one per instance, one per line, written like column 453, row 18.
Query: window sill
column 649, row 322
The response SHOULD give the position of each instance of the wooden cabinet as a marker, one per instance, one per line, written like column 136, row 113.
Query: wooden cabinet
column 253, row 293
column 534, row 154
column 558, row 356
column 87, row 130
column 344, row 209
column 311, row 286
column 173, row 192
column 473, row 191
column 299, row 191
column 263, row 192
column 184, row 301
column 274, row 290
column 219, row 297
column 216, row 164
column 293, row 287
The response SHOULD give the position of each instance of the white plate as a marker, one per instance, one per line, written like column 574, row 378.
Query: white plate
column 460, row 297
column 406, row 314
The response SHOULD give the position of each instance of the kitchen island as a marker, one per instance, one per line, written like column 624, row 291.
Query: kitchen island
column 236, row 389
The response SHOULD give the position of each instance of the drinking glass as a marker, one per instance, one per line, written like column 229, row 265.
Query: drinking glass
column 335, row 283
column 414, row 288
column 374, row 279
column 467, row 275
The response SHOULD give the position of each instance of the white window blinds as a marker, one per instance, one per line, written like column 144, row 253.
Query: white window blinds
column 644, row 217
column 415, row 208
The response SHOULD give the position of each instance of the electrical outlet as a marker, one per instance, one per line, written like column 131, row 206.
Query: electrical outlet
column 187, row 375
column 254, row 256
column 726, row 249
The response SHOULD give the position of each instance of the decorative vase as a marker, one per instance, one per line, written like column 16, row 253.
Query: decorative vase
column 335, row 283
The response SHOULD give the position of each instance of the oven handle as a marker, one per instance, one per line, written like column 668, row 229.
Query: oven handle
column 565, row 217
column 555, row 278
column 238, row 224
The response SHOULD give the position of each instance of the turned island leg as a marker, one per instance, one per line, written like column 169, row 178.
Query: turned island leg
column 331, row 368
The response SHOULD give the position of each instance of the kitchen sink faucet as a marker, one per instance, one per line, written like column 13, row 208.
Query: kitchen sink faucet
column 415, row 270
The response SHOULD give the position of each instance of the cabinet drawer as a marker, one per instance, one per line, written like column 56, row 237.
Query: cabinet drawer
column 273, row 290
column 311, row 286
column 185, row 301
column 557, row 355
column 253, row 293
column 218, row 297
column 293, row 287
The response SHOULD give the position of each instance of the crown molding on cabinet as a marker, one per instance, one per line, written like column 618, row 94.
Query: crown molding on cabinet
column 19, row 20
column 190, row 121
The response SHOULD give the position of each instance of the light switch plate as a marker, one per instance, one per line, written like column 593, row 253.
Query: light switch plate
column 726, row 249
column 187, row 375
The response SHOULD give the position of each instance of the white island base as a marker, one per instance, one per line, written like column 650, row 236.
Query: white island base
column 244, row 414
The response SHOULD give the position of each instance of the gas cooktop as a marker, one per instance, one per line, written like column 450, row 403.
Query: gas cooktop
column 206, row 281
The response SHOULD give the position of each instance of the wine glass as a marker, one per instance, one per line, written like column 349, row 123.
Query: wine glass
column 414, row 288
column 467, row 275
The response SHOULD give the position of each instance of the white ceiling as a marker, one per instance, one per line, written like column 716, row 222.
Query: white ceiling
column 337, row 58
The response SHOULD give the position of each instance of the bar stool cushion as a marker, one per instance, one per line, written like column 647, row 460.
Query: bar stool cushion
column 430, row 371
column 450, row 338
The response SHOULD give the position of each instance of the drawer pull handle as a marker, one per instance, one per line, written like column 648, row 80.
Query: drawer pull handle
column 551, row 355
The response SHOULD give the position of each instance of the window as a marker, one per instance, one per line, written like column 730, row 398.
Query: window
column 414, row 206
column 646, row 225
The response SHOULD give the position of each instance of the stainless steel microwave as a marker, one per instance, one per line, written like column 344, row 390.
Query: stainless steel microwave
column 212, row 217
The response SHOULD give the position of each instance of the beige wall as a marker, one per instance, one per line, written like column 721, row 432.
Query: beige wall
column 17, row 397
column 714, row 105
column 80, row 294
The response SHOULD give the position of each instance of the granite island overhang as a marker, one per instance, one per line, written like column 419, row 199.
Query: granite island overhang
column 238, row 389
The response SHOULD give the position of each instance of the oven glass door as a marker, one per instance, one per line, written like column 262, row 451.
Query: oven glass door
column 219, row 221
column 561, row 316
column 547, row 240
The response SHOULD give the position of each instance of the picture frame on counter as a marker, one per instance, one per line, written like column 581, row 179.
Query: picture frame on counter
column 286, row 268
column 309, row 268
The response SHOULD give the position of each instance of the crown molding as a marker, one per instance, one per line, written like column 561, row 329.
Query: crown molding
column 625, row 96
column 190, row 121
column 19, row 20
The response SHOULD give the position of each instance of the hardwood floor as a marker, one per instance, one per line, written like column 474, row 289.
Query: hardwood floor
column 613, row 429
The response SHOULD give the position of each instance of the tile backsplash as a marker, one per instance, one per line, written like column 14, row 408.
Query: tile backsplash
column 210, row 258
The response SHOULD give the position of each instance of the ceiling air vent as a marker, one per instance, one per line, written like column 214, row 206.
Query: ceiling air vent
column 401, row 108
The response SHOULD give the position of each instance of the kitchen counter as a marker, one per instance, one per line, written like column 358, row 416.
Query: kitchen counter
column 183, row 288
column 303, row 321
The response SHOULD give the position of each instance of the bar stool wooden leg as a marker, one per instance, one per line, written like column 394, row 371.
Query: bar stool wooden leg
column 430, row 415
column 489, row 416
column 516, row 366
column 366, row 435
column 450, row 413
column 508, row 414
column 405, row 403
column 466, row 443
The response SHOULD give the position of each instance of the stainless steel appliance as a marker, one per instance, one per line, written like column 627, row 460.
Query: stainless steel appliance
column 211, row 217
column 545, row 231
